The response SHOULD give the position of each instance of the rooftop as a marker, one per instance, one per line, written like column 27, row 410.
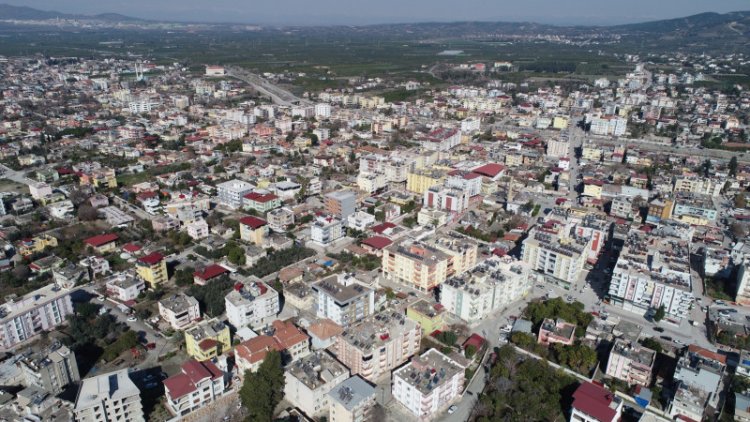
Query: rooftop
column 111, row 386
column 352, row 393
column 178, row 303
column 377, row 330
column 428, row 371
column 344, row 288
column 317, row 369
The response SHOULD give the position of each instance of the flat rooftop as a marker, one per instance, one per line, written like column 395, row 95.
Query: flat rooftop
column 429, row 371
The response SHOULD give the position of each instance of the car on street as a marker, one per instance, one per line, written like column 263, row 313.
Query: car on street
column 667, row 338
column 452, row 409
column 132, row 319
column 659, row 329
column 678, row 341
column 719, row 302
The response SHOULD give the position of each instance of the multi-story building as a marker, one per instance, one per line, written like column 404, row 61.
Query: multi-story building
column 179, row 310
column 283, row 337
column 41, row 310
column 51, row 369
column 420, row 180
column 253, row 230
column 608, row 126
column 208, row 339
column 124, row 287
column 559, row 331
column 279, row 219
column 36, row 244
column 594, row 403
column 553, row 255
column 698, row 185
column 252, row 304
column 743, row 284
column 342, row 299
column 351, row 401
column 196, row 385
column 488, row 287
column 376, row 345
column 415, row 263
column 341, row 204
column 197, row 229
column 231, row 193
column 703, row 370
column 429, row 315
column 101, row 178
column 697, row 209
column 653, row 270
column 261, row 202
column 428, row 384
column 441, row 139
column 461, row 250
column 310, row 379
column 360, row 220
column 659, row 209
column 631, row 362
column 153, row 269
column 371, row 182
column 109, row 397
column 557, row 148
column 326, row 230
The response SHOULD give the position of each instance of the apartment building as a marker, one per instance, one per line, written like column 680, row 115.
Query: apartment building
column 594, row 403
column 556, row 331
column 653, row 270
column 310, row 379
column 197, row 229
column 153, row 269
column 699, row 185
column 695, row 208
column 326, row 230
column 360, row 220
column 441, row 139
column 351, row 401
column 429, row 315
column 558, row 147
column 631, row 362
column 420, row 180
column 231, row 193
column 283, row 337
column 342, row 299
column 428, row 384
column 378, row 344
column 261, row 202
column 486, row 288
column 742, row 296
column 251, row 304
column 461, row 250
column 553, row 255
column 702, row 370
column 659, row 209
column 124, row 287
column 416, row 264
column 196, row 385
column 253, row 230
column 371, row 182
column 608, row 126
column 179, row 310
column 341, row 204
column 208, row 339
column 24, row 317
column 279, row 219
column 109, row 397
column 50, row 369
column 689, row 403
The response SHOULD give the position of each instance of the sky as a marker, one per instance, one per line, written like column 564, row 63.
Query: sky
column 359, row 12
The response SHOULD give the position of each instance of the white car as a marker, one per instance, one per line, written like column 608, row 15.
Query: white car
column 452, row 409
column 132, row 319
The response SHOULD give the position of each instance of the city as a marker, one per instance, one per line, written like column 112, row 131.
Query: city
column 466, row 238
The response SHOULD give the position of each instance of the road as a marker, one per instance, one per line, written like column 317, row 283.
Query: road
column 15, row 176
column 278, row 95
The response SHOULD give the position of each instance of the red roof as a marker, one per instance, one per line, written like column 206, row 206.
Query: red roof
column 131, row 247
column 152, row 258
column 253, row 222
column 257, row 197
column 101, row 239
column 377, row 242
column 208, row 344
column 475, row 340
column 490, row 170
column 594, row 401
column 213, row 270
column 380, row 228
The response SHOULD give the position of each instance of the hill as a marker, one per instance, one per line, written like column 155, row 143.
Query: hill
column 8, row 11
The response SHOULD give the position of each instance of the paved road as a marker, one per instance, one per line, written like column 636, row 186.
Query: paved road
column 278, row 95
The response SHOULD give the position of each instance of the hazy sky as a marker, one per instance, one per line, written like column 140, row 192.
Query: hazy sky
column 592, row 12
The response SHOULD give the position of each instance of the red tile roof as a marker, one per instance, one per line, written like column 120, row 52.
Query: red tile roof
column 253, row 222
column 380, row 228
column 101, row 239
column 594, row 401
column 707, row 353
column 152, row 258
column 258, row 197
column 213, row 270
column 377, row 242
column 208, row 344
column 193, row 372
column 490, row 170
column 131, row 247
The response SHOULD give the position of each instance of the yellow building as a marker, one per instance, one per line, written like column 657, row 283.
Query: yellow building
column 693, row 220
column 513, row 159
column 560, row 122
column 100, row 178
column 428, row 315
column 421, row 180
column 591, row 153
column 593, row 188
column 416, row 264
column 36, row 244
column 253, row 230
column 152, row 268
column 208, row 339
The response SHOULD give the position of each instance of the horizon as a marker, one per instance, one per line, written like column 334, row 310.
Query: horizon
column 331, row 13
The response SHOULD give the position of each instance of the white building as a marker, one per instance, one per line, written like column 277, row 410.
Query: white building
column 251, row 305
column 326, row 230
column 197, row 385
column 371, row 182
column 428, row 384
column 558, row 148
column 343, row 300
column 230, row 193
column 110, row 397
column 41, row 310
column 197, row 229
column 608, row 126
column 279, row 218
column 351, row 401
column 310, row 379
column 360, row 220
column 180, row 311
column 61, row 210
column 322, row 110
column 124, row 287
column 558, row 256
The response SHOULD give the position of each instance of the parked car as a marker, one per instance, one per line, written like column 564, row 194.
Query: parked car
column 667, row 338
column 659, row 329
column 452, row 409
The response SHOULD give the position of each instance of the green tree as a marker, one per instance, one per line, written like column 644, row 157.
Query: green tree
column 733, row 166
column 740, row 201
column 652, row 344
column 262, row 391
column 659, row 314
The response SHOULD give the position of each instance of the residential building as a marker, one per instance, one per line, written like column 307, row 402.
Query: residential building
column 253, row 230
column 207, row 339
column 179, row 310
column 204, row 275
column 153, row 269
column 103, row 177
column 554, row 255
column 197, row 229
column 415, row 263
column 428, row 384
column 109, row 397
column 594, row 403
column 699, row 185
column 351, row 401
column 326, row 230
column 703, row 370
column 36, row 244
column 342, row 299
column 559, row 331
column 279, row 219
column 420, row 180
column 51, row 369
column 231, row 193
column 22, row 318
column 557, row 148
column 124, row 287
column 608, row 126
column 378, row 344
column 251, row 304
column 695, row 209
column 631, row 362
column 659, row 209
column 341, row 204
column 283, row 337
column 360, row 220
column 689, row 403
column 196, row 385
column 742, row 296
column 429, row 316
column 260, row 202
column 310, row 379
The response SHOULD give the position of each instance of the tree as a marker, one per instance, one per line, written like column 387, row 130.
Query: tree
column 706, row 167
column 184, row 276
column 733, row 167
column 652, row 344
column 262, row 391
column 740, row 201
column 659, row 314
column 87, row 213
